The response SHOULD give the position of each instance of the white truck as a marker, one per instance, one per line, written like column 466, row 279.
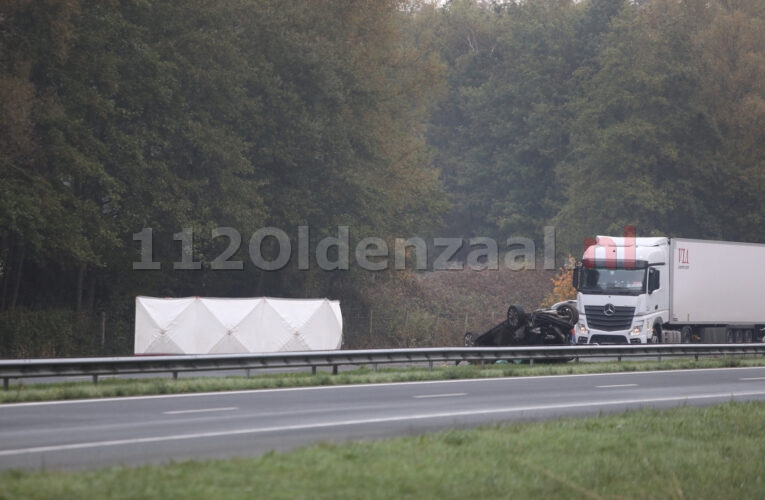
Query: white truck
column 661, row 290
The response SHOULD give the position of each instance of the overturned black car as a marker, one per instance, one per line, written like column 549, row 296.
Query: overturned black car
column 553, row 326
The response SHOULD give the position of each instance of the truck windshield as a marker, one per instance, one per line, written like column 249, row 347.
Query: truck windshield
column 613, row 281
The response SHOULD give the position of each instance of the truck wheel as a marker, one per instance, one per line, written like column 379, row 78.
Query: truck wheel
column 658, row 337
column 514, row 316
column 568, row 313
column 686, row 334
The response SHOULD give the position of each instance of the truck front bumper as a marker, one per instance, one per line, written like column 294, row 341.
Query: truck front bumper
column 610, row 338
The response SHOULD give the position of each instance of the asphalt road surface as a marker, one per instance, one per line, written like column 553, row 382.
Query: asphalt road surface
column 136, row 430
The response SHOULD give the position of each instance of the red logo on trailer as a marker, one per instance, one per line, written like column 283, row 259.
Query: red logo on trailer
column 682, row 256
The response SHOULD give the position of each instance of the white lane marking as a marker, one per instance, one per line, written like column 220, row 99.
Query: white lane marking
column 342, row 423
column 452, row 395
column 614, row 386
column 356, row 386
column 753, row 378
column 201, row 410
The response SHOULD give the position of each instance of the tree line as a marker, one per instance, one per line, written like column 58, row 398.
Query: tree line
column 394, row 118
column 596, row 115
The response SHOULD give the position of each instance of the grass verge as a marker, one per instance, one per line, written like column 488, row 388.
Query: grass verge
column 713, row 452
column 20, row 392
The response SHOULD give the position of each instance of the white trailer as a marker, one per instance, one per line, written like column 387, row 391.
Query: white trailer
column 639, row 290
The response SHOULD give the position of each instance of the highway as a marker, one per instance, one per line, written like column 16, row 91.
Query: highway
column 150, row 429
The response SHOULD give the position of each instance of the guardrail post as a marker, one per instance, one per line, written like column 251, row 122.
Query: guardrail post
column 6, row 383
column 430, row 365
column 334, row 369
column 175, row 375
column 618, row 359
column 374, row 367
column 247, row 373
column 95, row 379
column 313, row 370
column 531, row 362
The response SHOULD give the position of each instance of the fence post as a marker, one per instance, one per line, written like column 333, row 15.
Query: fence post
column 103, row 330
column 433, row 335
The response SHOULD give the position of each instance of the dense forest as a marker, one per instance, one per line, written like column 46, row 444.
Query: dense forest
column 178, row 148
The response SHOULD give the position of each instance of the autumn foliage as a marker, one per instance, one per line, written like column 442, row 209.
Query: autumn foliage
column 563, row 286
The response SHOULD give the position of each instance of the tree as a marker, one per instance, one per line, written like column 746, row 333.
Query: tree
column 504, row 126
column 733, row 44
column 643, row 147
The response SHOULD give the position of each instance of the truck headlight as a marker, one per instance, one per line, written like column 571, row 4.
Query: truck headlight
column 582, row 329
column 636, row 330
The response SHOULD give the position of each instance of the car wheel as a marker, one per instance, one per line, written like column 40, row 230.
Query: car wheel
column 514, row 316
column 569, row 313
column 469, row 339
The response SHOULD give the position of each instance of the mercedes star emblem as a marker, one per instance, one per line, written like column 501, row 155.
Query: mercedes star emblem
column 609, row 310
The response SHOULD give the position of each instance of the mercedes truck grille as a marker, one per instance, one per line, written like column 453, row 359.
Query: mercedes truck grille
column 615, row 318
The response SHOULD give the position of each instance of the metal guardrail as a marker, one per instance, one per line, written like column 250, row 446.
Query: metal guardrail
column 95, row 367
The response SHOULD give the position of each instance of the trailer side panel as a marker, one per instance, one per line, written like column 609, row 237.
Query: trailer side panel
column 716, row 282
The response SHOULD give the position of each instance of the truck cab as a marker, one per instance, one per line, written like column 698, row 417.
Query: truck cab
column 622, row 288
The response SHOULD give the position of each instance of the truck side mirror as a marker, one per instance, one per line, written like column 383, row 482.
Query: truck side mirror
column 653, row 279
column 577, row 277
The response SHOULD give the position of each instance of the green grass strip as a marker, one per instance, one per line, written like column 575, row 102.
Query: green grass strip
column 21, row 392
column 714, row 452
